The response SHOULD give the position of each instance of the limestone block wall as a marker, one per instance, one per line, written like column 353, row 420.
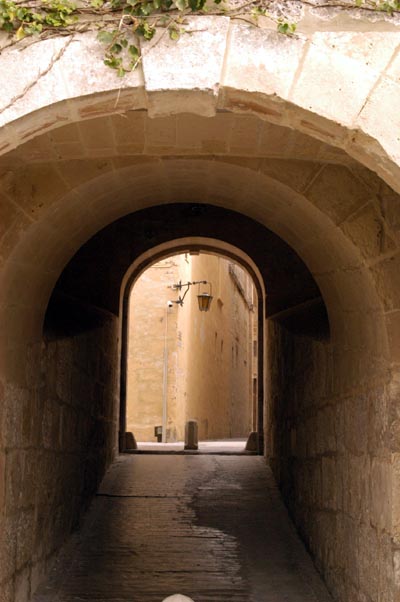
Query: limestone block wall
column 59, row 436
column 329, row 445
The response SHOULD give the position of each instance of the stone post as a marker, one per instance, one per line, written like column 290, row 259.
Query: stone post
column 191, row 435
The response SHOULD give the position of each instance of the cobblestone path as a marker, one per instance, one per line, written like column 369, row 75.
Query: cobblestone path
column 210, row 527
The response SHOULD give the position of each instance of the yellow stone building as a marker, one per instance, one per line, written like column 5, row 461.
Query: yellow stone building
column 191, row 364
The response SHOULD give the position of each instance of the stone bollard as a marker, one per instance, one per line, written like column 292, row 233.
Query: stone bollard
column 252, row 442
column 130, row 441
column 178, row 598
column 191, row 435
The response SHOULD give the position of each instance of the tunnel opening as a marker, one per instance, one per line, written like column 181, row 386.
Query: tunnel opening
column 185, row 364
column 86, row 334
column 90, row 304
column 298, row 344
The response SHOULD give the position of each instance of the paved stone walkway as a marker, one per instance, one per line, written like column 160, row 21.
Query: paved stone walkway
column 222, row 446
column 210, row 527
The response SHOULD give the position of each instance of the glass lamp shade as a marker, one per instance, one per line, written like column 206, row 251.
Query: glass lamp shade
column 204, row 300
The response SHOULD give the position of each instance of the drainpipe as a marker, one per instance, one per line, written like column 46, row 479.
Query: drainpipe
column 165, row 378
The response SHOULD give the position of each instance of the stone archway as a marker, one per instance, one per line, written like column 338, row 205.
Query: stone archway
column 332, row 81
column 278, row 149
column 196, row 245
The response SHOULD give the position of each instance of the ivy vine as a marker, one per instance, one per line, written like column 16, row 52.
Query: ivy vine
column 121, row 22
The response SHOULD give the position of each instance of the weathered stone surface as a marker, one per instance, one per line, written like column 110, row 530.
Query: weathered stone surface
column 336, row 191
column 329, row 79
column 7, row 592
column 393, row 327
column 178, row 598
column 381, row 495
column 387, row 275
column 396, row 563
column 2, row 481
column 96, row 74
column 334, row 425
column 22, row 586
column 367, row 229
column 261, row 60
column 8, row 549
column 343, row 489
column 349, row 60
column 379, row 103
column 25, row 537
column 190, row 528
column 36, row 83
column 374, row 50
column 183, row 76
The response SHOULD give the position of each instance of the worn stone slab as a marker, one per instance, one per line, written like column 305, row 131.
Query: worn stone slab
column 184, row 75
column 36, row 83
column 85, row 72
column 261, row 60
column 380, row 117
column 372, row 49
column 331, row 84
column 211, row 527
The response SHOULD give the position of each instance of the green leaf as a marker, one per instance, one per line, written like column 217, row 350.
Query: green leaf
column 181, row 4
column 116, row 48
column 113, row 62
column 174, row 34
column 257, row 11
column 70, row 20
column 145, row 30
column 286, row 28
column 106, row 37
column 134, row 52
column 21, row 13
column 20, row 33
column 146, row 9
column 7, row 26
column 33, row 29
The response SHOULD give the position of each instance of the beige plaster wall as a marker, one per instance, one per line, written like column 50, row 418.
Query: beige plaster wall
column 155, row 329
column 219, row 389
column 211, row 363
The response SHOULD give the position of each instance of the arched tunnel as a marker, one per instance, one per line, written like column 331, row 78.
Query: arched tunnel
column 82, row 203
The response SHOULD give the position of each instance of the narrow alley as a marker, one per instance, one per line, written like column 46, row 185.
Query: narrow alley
column 210, row 527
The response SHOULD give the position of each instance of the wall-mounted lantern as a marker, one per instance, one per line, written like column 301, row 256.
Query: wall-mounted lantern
column 204, row 298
